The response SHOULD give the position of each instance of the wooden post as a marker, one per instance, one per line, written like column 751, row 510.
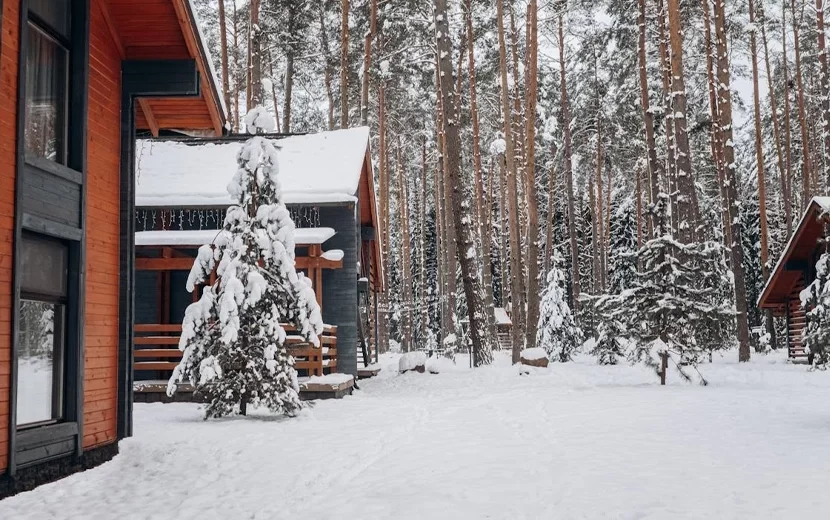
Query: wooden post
column 664, row 366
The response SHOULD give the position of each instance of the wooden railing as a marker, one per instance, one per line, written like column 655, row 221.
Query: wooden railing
column 157, row 349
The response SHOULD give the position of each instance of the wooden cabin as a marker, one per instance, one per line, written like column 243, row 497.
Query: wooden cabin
column 795, row 270
column 79, row 78
column 504, row 326
column 181, row 194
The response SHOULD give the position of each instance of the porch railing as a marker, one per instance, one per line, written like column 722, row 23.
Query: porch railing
column 157, row 349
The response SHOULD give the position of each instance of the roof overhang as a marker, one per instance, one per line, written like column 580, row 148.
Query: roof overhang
column 167, row 30
column 796, row 257
column 369, row 218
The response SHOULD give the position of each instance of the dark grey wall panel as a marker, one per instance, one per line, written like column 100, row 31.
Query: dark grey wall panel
column 340, row 285
column 146, row 286
column 179, row 297
column 51, row 197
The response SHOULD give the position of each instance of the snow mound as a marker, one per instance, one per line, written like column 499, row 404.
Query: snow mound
column 333, row 255
column 329, row 379
column 532, row 354
column 441, row 364
column 410, row 360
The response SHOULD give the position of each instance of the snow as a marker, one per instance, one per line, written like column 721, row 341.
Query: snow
column 532, row 354
column 334, row 255
column 302, row 236
column 328, row 379
column 315, row 168
column 607, row 442
column 410, row 360
column 501, row 316
column 34, row 393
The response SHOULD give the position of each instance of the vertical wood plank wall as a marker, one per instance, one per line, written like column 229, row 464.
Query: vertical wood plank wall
column 102, row 234
column 8, row 126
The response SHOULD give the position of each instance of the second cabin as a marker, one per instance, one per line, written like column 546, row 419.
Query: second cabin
column 181, row 199
column 795, row 270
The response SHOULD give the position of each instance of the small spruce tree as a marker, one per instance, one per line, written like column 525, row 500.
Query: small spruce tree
column 233, row 343
column 815, row 300
column 609, row 342
column 557, row 332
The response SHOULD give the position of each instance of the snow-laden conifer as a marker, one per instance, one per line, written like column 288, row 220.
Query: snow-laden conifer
column 680, row 301
column 233, row 343
column 816, row 302
column 557, row 332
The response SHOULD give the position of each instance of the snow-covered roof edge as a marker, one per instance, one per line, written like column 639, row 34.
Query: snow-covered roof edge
column 822, row 203
column 177, row 237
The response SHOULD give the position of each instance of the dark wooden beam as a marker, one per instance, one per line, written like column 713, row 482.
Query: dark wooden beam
column 796, row 265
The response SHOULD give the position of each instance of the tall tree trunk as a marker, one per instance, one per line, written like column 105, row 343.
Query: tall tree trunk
column 531, row 94
column 274, row 90
column 665, row 76
column 825, row 88
column 687, row 222
column 716, row 139
column 482, row 343
column 639, row 207
column 383, row 173
column 289, row 74
column 481, row 213
column 782, row 173
column 787, row 125
column 406, row 276
column 598, row 211
column 518, row 334
column 448, row 211
column 595, row 238
column 237, row 68
column 551, row 210
column 568, row 169
column 759, row 158
column 327, row 67
column 424, row 285
column 367, row 62
column 725, row 112
column 344, row 65
column 255, row 52
column 223, row 46
column 802, row 115
column 654, row 167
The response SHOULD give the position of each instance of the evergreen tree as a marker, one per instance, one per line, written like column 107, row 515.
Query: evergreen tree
column 233, row 344
column 623, row 262
column 557, row 332
column 816, row 301
column 679, row 302
column 610, row 341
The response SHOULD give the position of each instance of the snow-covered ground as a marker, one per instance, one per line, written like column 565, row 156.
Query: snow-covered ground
column 572, row 441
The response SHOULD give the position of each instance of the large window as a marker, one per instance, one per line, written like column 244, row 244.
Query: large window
column 47, row 95
column 41, row 331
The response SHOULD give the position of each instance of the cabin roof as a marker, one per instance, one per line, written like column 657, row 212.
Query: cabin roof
column 200, row 237
column 314, row 169
column 798, row 251
column 168, row 30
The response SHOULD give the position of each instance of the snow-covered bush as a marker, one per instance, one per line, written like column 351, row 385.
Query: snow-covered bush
column 233, row 344
column 815, row 300
column 415, row 360
column 557, row 332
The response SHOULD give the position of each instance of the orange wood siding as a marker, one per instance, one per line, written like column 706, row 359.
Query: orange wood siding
column 102, row 234
column 8, row 130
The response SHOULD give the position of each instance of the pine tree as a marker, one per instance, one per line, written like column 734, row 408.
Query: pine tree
column 610, row 342
column 815, row 299
column 678, row 303
column 623, row 262
column 233, row 343
column 557, row 332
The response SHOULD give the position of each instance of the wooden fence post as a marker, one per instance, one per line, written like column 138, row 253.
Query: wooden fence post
column 664, row 366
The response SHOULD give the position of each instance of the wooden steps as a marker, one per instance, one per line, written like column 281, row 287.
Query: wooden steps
column 796, row 323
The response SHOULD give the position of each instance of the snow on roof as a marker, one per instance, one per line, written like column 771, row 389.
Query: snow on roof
column 314, row 169
column 302, row 236
column 501, row 316
column 335, row 255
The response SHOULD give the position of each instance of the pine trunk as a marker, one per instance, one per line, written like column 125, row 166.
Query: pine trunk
column 787, row 127
column 510, row 173
column 686, row 218
column 802, row 115
column 725, row 112
column 531, row 94
column 465, row 234
column 665, row 75
column 551, row 210
column 367, row 63
column 825, row 88
column 568, row 169
column 383, row 174
column 344, row 64
column 654, row 168
column 406, row 275
column 255, row 52
column 223, row 49
column 598, row 212
column 327, row 68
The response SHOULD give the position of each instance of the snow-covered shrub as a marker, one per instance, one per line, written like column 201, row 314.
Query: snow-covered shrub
column 815, row 300
column 557, row 332
column 415, row 360
column 233, row 344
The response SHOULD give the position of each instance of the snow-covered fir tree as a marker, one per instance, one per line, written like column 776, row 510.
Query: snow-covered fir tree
column 233, row 343
column 816, row 302
column 623, row 262
column 610, row 340
column 679, row 302
column 557, row 332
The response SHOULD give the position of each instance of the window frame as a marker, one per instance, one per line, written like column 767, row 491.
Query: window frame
column 29, row 446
